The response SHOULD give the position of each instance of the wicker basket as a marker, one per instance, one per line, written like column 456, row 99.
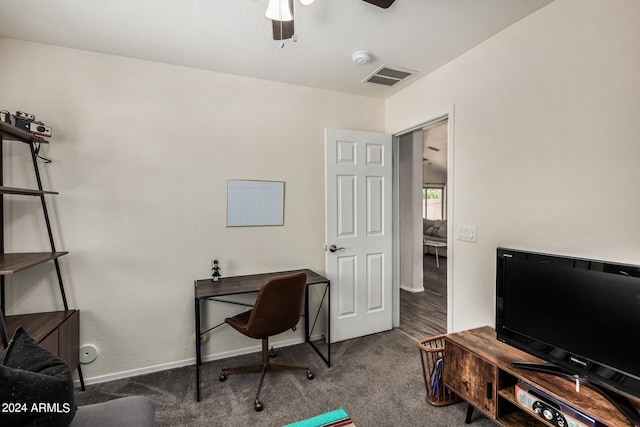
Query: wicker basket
column 432, row 355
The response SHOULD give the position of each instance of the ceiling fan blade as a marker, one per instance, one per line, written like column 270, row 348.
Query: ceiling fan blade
column 287, row 30
column 381, row 3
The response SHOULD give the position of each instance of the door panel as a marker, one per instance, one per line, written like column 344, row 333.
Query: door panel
column 347, row 291
column 358, row 172
column 346, row 206
column 375, row 282
column 375, row 207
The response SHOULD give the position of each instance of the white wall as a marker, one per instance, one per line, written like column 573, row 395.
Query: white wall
column 410, row 211
column 545, row 121
column 141, row 155
column 546, row 141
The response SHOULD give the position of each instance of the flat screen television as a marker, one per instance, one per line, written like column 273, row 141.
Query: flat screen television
column 580, row 315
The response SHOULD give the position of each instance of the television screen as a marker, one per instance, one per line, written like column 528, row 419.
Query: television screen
column 581, row 315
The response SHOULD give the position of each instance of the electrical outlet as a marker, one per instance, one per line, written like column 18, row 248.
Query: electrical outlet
column 204, row 338
column 88, row 353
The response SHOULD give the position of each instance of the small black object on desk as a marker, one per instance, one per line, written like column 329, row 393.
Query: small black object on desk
column 216, row 276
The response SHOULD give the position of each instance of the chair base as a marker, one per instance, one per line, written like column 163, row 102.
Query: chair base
column 264, row 367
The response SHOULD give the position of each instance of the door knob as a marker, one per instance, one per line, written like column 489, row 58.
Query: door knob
column 334, row 248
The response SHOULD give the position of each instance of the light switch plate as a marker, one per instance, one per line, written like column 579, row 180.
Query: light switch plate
column 467, row 233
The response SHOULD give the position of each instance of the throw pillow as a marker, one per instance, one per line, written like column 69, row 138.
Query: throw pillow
column 36, row 387
column 426, row 224
column 442, row 228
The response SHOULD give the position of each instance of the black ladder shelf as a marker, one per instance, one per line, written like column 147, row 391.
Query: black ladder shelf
column 11, row 263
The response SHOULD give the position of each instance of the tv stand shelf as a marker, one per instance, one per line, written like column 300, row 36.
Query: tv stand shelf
column 478, row 368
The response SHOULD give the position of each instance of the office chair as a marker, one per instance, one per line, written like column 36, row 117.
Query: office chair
column 277, row 308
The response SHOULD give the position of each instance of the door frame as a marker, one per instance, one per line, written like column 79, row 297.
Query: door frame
column 447, row 113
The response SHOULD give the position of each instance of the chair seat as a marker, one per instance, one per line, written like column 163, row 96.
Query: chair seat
column 240, row 322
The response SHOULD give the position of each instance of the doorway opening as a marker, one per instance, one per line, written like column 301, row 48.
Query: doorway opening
column 422, row 221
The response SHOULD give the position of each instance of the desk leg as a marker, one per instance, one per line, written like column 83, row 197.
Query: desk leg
column 308, row 330
column 198, row 349
column 307, row 338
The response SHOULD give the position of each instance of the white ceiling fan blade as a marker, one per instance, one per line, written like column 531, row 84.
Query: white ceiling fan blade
column 279, row 10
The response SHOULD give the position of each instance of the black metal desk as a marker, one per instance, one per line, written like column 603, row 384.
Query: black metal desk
column 206, row 289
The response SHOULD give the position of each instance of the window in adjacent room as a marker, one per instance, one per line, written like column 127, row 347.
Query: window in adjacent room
column 433, row 203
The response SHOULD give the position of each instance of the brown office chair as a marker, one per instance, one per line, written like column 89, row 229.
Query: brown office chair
column 278, row 308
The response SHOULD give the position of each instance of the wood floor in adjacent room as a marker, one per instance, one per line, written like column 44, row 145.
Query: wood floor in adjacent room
column 424, row 314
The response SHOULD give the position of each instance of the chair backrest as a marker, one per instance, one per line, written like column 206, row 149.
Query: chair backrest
column 278, row 306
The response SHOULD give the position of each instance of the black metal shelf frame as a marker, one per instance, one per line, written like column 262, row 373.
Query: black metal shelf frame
column 16, row 262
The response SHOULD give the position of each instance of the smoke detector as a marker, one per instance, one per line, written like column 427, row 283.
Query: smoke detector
column 361, row 57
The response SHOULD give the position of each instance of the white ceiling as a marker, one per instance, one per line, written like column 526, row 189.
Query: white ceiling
column 233, row 36
column 434, row 162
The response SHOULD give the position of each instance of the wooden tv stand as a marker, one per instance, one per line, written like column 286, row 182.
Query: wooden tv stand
column 478, row 368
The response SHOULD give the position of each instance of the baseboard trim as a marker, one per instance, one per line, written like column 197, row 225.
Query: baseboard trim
column 186, row 362
column 412, row 290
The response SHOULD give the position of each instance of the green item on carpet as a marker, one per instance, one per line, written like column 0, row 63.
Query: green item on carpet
column 321, row 420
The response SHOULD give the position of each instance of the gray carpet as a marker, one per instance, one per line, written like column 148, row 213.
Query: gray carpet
column 378, row 379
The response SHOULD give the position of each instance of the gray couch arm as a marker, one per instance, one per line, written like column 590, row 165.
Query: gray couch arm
column 130, row 411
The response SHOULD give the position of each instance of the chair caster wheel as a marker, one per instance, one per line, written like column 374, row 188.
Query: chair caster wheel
column 272, row 352
column 223, row 376
column 310, row 375
column 258, row 405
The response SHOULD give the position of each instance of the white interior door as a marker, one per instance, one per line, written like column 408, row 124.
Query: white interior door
column 358, row 175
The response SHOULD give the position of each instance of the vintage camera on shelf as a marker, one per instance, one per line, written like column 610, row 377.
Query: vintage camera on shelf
column 23, row 120
column 39, row 128
column 6, row 117
column 25, row 116
column 22, row 123
column 26, row 122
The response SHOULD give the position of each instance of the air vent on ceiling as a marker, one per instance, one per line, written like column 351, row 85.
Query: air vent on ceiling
column 389, row 76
